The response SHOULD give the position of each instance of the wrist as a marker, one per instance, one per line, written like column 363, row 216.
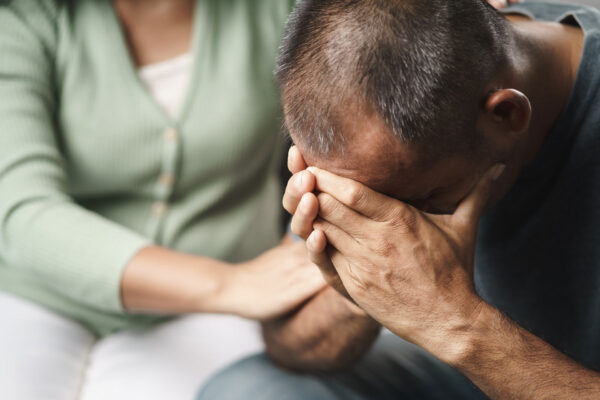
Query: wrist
column 162, row 281
column 457, row 338
column 216, row 296
column 224, row 299
column 469, row 337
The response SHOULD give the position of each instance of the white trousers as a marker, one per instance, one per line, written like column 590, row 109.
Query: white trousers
column 44, row 355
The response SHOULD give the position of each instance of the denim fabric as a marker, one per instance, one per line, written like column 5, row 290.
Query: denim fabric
column 393, row 369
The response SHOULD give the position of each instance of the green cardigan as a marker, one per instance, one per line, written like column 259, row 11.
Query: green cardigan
column 92, row 170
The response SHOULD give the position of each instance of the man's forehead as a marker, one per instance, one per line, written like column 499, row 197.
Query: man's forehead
column 380, row 167
column 369, row 153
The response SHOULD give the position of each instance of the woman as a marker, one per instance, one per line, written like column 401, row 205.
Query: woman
column 139, row 156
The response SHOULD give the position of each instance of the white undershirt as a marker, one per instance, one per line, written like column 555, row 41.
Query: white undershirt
column 167, row 82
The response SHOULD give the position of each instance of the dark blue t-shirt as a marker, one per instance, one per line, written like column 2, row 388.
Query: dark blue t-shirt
column 538, row 251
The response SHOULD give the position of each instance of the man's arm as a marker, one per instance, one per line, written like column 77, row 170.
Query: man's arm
column 507, row 362
column 329, row 333
column 413, row 273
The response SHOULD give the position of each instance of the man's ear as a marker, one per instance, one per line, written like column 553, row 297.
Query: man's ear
column 506, row 112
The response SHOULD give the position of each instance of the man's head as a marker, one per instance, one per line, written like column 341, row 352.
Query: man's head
column 391, row 93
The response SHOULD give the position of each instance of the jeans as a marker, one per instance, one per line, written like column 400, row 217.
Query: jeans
column 393, row 369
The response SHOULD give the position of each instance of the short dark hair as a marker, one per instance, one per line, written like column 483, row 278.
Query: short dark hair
column 417, row 63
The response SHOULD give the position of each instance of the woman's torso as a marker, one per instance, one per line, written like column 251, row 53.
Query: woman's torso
column 205, row 182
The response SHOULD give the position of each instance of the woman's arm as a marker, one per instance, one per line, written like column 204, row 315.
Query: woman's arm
column 160, row 280
column 79, row 253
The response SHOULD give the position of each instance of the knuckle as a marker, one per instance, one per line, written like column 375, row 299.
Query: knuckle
column 320, row 225
column 327, row 203
column 385, row 248
column 295, row 184
column 404, row 218
column 298, row 226
column 354, row 195
column 290, row 202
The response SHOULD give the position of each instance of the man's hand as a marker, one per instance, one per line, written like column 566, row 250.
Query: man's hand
column 409, row 270
column 329, row 332
column 413, row 272
column 271, row 285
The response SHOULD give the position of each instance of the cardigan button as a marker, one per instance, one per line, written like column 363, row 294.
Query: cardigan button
column 166, row 180
column 170, row 135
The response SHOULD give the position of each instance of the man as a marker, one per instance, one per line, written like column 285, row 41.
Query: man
column 426, row 114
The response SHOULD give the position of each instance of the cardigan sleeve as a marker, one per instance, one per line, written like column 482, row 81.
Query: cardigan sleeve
column 70, row 249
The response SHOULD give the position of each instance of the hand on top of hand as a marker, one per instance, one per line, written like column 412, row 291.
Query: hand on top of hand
column 411, row 271
column 273, row 284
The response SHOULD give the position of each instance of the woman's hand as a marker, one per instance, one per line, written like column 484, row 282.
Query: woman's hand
column 163, row 281
column 273, row 284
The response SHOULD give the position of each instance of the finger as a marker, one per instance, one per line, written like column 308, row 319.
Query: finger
column 338, row 214
column 295, row 160
column 355, row 195
column 338, row 259
column 337, row 238
column 472, row 207
column 316, row 244
column 305, row 215
column 299, row 184
column 322, row 255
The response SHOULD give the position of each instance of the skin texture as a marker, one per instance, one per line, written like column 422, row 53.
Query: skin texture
column 156, row 30
column 159, row 280
column 411, row 269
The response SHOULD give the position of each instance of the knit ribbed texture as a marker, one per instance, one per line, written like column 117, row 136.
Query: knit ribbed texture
column 92, row 171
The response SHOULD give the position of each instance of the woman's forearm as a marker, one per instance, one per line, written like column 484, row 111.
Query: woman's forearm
column 163, row 281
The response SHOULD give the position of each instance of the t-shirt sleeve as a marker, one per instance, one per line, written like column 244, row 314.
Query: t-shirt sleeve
column 42, row 230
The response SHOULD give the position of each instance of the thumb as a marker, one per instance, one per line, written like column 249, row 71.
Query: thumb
column 472, row 207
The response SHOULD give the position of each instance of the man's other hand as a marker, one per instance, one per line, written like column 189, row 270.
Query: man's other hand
column 410, row 270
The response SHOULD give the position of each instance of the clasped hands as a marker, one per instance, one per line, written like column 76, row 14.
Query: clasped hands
column 409, row 270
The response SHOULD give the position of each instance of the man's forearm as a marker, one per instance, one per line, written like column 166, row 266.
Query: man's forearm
column 507, row 362
column 327, row 334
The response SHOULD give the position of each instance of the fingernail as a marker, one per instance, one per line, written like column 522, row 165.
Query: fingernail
column 313, row 170
column 498, row 171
